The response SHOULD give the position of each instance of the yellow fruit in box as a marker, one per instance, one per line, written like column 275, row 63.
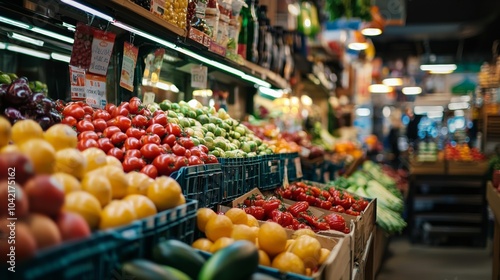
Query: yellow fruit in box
column 182, row 200
column 218, row 227
column 202, row 244
column 41, row 154
column 5, row 131
column 10, row 148
column 70, row 161
column 61, row 136
column 203, row 215
column 112, row 161
column 243, row 232
column 252, row 221
column 142, row 205
column 138, row 182
column 289, row 244
column 272, row 238
column 117, row 213
column 69, row 182
column 86, row 205
column 308, row 249
column 304, row 231
column 95, row 158
column 117, row 179
column 165, row 192
column 237, row 216
column 288, row 262
column 264, row 259
column 325, row 253
column 25, row 130
column 98, row 186
column 221, row 243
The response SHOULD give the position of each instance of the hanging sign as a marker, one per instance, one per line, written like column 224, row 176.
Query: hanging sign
column 102, row 47
column 130, row 53
column 95, row 91
column 199, row 77
column 77, row 82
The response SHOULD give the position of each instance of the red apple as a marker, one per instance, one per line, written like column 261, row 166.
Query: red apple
column 44, row 230
column 16, row 166
column 14, row 200
column 45, row 195
column 72, row 226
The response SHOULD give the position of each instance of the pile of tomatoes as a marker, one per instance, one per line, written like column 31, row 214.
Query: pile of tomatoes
column 141, row 140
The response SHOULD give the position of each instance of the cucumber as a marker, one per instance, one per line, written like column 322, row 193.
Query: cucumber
column 141, row 269
column 236, row 261
column 262, row 276
column 177, row 273
column 178, row 255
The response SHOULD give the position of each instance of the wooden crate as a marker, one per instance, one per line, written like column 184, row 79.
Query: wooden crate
column 476, row 168
column 493, row 198
column 427, row 167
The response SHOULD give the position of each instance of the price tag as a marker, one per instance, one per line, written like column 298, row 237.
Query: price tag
column 128, row 66
column 298, row 168
column 95, row 91
column 304, row 152
column 149, row 98
column 102, row 47
column 158, row 7
column 77, row 82
column 199, row 77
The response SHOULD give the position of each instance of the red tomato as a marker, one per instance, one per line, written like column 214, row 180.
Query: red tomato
column 110, row 130
column 123, row 123
column 88, row 135
column 125, row 105
column 157, row 129
column 151, row 138
column 203, row 157
column 87, row 143
column 74, row 110
column 186, row 142
column 170, row 140
column 88, row 110
column 164, row 163
column 139, row 121
column 80, row 103
column 203, row 148
column 151, row 151
column 187, row 153
column 133, row 153
column 133, row 164
column 194, row 160
column 110, row 107
column 211, row 159
column 158, row 112
column 160, row 119
column 179, row 150
column 117, row 153
column 195, row 151
column 99, row 125
column 132, row 143
column 145, row 112
column 135, row 132
column 173, row 128
column 120, row 111
column 118, row 138
column 134, row 105
column 101, row 114
column 87, row 117
column 166, row 148
column 150, row 170
column 180, row 161
column 105, row 144
column 84, row 125
column 69, row 120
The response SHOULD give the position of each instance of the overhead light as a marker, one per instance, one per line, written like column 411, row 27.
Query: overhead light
column 458, row 106
column 3, row 46
column 202, row 92
column 412, row 90
column 271, row 92
column 28, row 51
column 294, row 9
column 306, row 100
column 386, row 111
column 363, row 112
column 87, row 9
column 374, row 27
column 379, row 88
column 459, row 113
column 435, row 114
column 463, row 98
column 421, row 110
column 438, row 68
column 371, row 31
column 70, row 27
column 25, row 39
column 14, row 23
column 257, row 81
column 357, row 46
column 60, row 57
column 37, row 30
column 393, row 82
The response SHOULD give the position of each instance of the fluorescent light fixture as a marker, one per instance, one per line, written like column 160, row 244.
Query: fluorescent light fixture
column 202, row 92
column 60, row 57
column 463, row 98
column 393, row 82
column 458, row 106
column 459, row 113
column 386, row 111
column 143, row 34
column 306, row 100
column 3, row 46
column 357, row 46
column 70, row 27
column 421, row 110
column 256, row 81
column 87, row 9
column 25, row 39
column 53, row 35
column 28, row 51
column 363, row 112
column 438, row 68
column 294, row 9
column 434, row 114
column 379, row 88
column 14, row 23
column 371, row 31
column 271, row 92
column 412, row 90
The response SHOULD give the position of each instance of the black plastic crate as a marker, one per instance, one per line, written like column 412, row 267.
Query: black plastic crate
column 97, row 257
column 233, row 178
column 272, row 172
column 251, row 173
column 201, row 182
column 176, row 223
column 293, row 166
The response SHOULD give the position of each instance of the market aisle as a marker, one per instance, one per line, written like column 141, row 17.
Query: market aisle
column 405, row 261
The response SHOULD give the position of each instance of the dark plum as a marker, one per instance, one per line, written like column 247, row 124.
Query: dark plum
column 45, row 122
column 55, row 116
column 13, row 114
column 18, row 92
column 37, row 97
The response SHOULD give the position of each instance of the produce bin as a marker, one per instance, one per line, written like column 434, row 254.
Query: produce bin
column 238, row 176
column 291, row 166
column 176, row 223
column 427, row 167
column 494, row 201
column 476, row 168
column 201, row 182
column 271, row 172
column 97, row 257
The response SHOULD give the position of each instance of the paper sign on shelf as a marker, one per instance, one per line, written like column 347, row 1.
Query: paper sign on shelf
column 298, row 168
column 95, row 91
column 149, row 98
column 77, row 82
column 102, row 47
column 199, row 76
column 130, row 53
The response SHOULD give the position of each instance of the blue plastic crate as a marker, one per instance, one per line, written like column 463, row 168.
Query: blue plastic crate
column 233, row 178
column 293, row 166
column 97, row 257
column 201, row 182
column 251, row 173
column 176, row 223
column 272, row 172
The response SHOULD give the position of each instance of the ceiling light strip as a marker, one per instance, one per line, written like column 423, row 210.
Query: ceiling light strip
column 26, row 39
column 28, row 51
column 88, row 9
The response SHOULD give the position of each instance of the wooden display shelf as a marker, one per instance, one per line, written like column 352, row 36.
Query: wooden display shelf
column 474, row 168
column 493, row 198
column 427, row 167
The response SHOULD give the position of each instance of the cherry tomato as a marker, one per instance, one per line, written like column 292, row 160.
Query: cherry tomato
column 87, row 143
column 88, row 135
column 173, row 128
column 139, row 121
column 105, row 144
column 186, row 142
column 110, row 107
column 157, row 129
column 133, row 164
column 123, row 123
column 203, row 148
column 110, row 130
column 135, row 132
column 179, row 150
column 118, row 138
column 84, row 125
column 194, row 160
column 87, row 117
column 211, row 159
column 132, row 143
column 134, row 105
column 150, row 170
column 74, row 110
column 164, row 163
column 117, row 153
column 99, row 125
column 151, row 151
column 133, row 153
column 160, row 119
column 170, row 140
column 150, row 138
column 125, row 105
column 187, row 153
column 180, row 162
column 69, row 120
column 145, row 112
column 88, row 110
column 101, row 114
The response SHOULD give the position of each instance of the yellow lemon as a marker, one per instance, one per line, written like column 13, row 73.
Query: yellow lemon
column 70, row 161
column 61, row 136
column 237, row 216
column 202, row 244
column 25, row 130
column 69, row 182
column 217, row 227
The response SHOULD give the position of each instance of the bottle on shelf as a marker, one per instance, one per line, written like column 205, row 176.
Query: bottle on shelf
column 278, row 51
column 288, row 68
column 234, row 28
column 265, row 39
column 253, row 32
column 244, row 18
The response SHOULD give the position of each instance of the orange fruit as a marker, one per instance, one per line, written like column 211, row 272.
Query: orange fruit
column 203, row 215
column 137, row 182
column 116, row 178
column 264, row 258
column 117, row 213
column 308, row 249
column 142, row 205
column 61, row 136
column 41, row 154
column 25, row 130
column 182, row 200
column 70, row 161
column 165, row 193
column 243, row 232
column 289, row 243
column 303, row 231
column 111, row 160
column 10, row 148
column 324, row 255
column 272, row 238
column 221, row 243
column 217, row 227
column 288, row 262
column 95, row 158
column 69, row 182
column 237, row 216
column 252, row 221
column 202, row 244
column 5, row 131
column 86, row 205
column 97, row 185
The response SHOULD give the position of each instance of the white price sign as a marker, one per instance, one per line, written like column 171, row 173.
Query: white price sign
column 95, row 91
column 199, row 77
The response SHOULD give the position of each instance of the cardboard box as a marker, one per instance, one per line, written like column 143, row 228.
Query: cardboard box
column 494, row 201
column 380, row 246
column 478, row 168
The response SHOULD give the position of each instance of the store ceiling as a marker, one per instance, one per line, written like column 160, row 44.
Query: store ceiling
column 464, row 29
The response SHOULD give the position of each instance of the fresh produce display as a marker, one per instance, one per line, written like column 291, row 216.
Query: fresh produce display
column 400, row 176
column 150, row 143
column 269, row 133
column 309, row 150
column 327, row 198
column 462, row 152
column 21, row 99
column 61, row 193
column 371, row 182
column 301, row 253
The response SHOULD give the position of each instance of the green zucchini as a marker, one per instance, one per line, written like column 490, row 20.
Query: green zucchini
column 141, row 269
column 179, row 255
column 236, row 261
